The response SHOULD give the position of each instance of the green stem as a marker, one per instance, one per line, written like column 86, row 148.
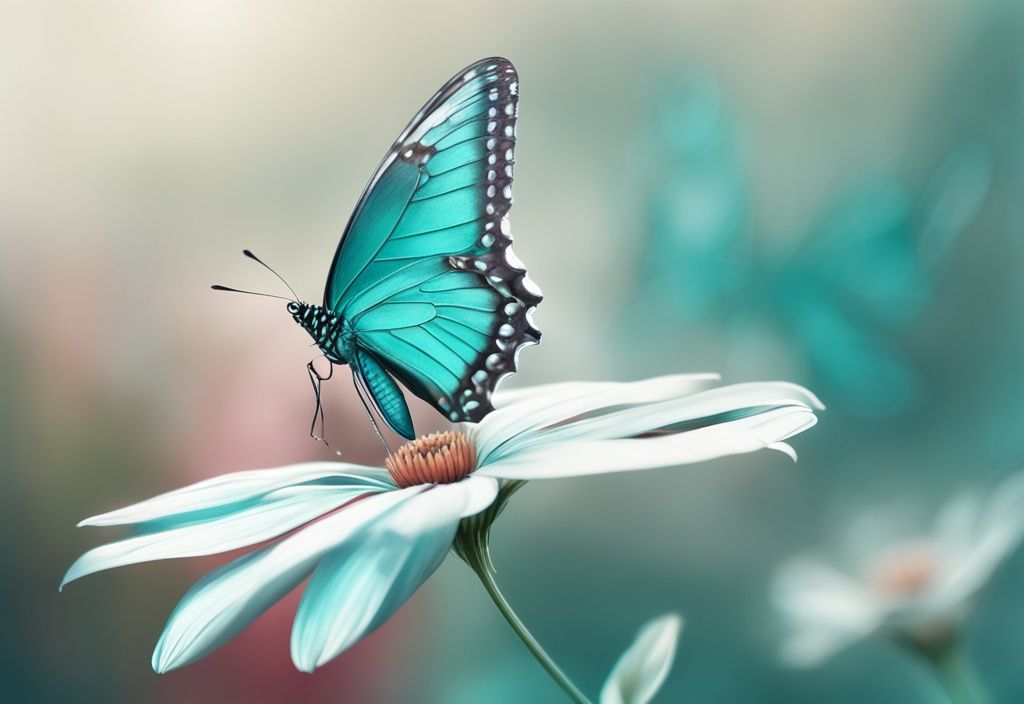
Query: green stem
column 472, row 544
column 487, row 578
column 955, row 673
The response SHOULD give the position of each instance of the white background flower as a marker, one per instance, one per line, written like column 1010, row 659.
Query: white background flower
column 918, row 586
column 367, row 543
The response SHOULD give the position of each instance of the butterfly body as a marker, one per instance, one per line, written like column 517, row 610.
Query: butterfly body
column 330, row 333
column 424, row 288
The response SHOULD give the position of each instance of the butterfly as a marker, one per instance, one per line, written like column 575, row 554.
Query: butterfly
column 424, row 289
column 836, row 303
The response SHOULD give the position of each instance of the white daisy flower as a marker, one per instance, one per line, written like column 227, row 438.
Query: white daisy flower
column 918, row 589
column 368, row 537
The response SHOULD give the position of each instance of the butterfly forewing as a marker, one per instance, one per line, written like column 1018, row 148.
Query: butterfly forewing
column 424, row 274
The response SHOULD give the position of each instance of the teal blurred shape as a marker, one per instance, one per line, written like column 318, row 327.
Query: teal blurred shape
column 859, row 278
column 696, row 199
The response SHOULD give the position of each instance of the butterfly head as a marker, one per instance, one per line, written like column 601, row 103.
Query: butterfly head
column 324, row 327
column 306, row 315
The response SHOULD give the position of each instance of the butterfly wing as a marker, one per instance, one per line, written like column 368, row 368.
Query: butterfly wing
column 425, row 275
column 384, row 393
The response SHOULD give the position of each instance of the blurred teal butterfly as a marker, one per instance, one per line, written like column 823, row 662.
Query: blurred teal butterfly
column 833, row 303
column 424, row 288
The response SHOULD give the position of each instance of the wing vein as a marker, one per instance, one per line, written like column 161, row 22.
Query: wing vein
column 485, row 333
column 397, row 291
column 424, row 199
column 438, row 229
column 445, row 345
column 420, row 256
column 428, row 356
column 447, row 171
column 372, row 258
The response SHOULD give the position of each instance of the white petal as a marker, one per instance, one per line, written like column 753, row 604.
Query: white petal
column 957, row 523
column 825, row 610
column 225, row 602
column 504, row 396
column 809, row 590
column 602, row 456
column 783, row 447
column 480, row 493
column 541, row 407
column 643, row 667
column 360, row 585
column 1008, row 500
column 245, row 524
column 683, row 412
column 238, row 486
column 437, row 504
column 1005, row 511
column 980, row 546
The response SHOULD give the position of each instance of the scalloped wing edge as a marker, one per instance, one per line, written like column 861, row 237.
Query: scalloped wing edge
column 499, row 266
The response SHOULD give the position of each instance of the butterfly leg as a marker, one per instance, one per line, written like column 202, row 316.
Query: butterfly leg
column 362, row 393
column 316, row 379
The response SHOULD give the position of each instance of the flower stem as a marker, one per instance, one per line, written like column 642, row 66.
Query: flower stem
column 960, row 680
column 487, row 578
column 956, row 674
column 473, row 545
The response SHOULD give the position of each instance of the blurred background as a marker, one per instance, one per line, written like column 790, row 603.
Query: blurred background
column 827, row 193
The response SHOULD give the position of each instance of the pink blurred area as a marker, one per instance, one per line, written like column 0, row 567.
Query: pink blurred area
column 201, row 409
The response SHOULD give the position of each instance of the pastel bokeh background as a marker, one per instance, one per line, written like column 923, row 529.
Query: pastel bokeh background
column 828, row 193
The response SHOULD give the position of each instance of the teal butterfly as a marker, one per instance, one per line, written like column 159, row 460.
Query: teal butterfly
column 836, row 302
column 424, row 288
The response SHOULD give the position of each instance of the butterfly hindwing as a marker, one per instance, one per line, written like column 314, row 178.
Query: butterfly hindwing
column 387, row 397
column 425, row 275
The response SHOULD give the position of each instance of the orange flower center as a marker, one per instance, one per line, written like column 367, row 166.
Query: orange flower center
column 438, row 458
column 905, row 571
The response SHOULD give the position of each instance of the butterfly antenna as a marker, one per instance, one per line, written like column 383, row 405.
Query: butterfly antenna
column 369, row 413
column 256, row 259
column 218, row 287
